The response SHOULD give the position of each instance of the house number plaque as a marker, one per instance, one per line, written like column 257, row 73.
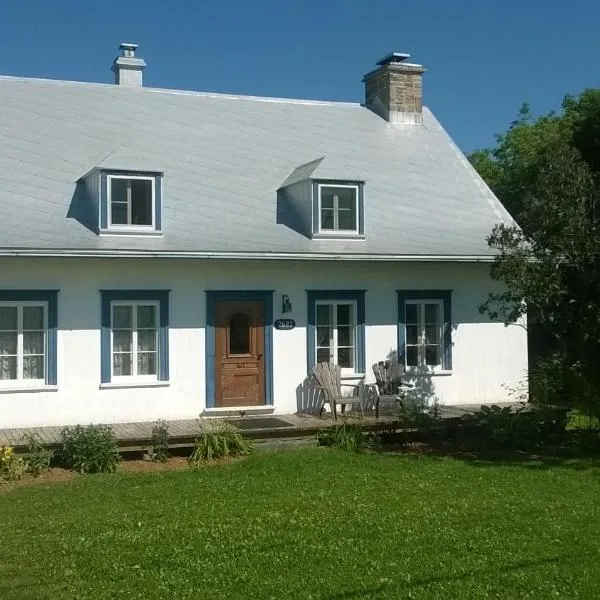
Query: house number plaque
column 284, row 324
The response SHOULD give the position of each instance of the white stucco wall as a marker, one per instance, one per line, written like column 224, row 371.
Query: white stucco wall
column 486, row 356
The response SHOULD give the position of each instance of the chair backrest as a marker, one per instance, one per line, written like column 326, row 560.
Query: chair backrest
column 388, row 376
column 329, row 377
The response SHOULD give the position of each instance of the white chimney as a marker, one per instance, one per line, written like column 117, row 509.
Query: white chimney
column 127, row 68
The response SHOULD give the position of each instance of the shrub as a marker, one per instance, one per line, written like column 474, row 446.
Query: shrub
column 12, row 466
column 346, row 436
column 37, row 459
column 219, row 440
column 91, row 449
column 160, row 441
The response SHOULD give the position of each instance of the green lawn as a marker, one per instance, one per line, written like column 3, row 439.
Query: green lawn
column 307, row 524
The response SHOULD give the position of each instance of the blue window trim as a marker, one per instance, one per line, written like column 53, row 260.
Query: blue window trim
column 318, row 295
column 446, row 297
column 50, row 297
column 212, row 297
column 316, row 217
column 158, row 185
column 160, row 296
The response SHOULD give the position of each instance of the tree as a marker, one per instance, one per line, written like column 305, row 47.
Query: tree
column 546, row 171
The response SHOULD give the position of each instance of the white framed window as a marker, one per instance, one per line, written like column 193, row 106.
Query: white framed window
column 338, row 208
column 131, row 202
column 336, row 328
column 424, row 338
column 134, row 341
column 23, row 348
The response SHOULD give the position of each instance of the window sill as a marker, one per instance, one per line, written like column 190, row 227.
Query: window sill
column 428, row 373
column 27, row 388
column 342, row 235
column 346, row 376
column 134, row 232
column 118, row 385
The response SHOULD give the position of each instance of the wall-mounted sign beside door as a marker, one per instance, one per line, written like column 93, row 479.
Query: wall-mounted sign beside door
column 284, row 324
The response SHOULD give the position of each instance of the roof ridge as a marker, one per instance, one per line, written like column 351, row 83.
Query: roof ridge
column 180, row 92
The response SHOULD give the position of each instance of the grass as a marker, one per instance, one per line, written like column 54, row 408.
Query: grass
column 308, row 524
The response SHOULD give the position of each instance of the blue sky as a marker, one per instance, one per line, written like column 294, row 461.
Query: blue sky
column 484, row 57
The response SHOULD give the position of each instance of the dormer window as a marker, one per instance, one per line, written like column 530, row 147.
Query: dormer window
column 338, row 208
column 131, row 201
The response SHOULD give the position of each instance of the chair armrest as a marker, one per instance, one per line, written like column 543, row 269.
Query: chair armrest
column 352, row 385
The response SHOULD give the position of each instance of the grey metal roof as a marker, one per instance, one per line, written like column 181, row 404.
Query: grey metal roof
column 223, row 158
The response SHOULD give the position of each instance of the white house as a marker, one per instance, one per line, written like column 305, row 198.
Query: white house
column 167, row 253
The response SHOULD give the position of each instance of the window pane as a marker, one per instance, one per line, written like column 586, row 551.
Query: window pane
column 412, row 356
column 122, row 341
column 8, row 342
column 326, row 219
column 118, row 190
column 323, row 355
column 121, row 364
column 324, row 336
column 33, row 342
column 33, row 367
column 141, row 202
column 147, row 363
column 432, row 355
column 344, row 314
column 346, row 336
column 324, row 314
column 147, row 340
column 412, row 334
column 146, row 317
column 326, row 199
column 346, row 358
column 347, row 220
column 118, row 213
column 8, row 318
column 8, row 367
column 432, row 334
column 413, row 312
column 239, row 334
column 122, row 317
column 33, row 317
column 432, row 314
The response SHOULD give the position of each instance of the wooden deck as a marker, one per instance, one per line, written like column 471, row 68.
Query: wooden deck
column 136, row 436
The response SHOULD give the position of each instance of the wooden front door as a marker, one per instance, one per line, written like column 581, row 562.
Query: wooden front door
column 239, row 353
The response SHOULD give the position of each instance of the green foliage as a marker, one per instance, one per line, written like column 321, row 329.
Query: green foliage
column 218, row 440
column 90, row 449
column 495, row 428
column 309, row 523
column 547, row 173
column 346, row 436
column 38, row 457
column 160, row 441
column 12, row 466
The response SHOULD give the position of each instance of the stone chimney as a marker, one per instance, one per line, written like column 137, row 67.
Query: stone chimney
column 127, row 68
column 394, row 90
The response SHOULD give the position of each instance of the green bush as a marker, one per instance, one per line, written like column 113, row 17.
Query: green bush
column 91, row 449
column 38, row 457
column 160, row 441
column 218, row 440
column 12, row 466
column 346, row 436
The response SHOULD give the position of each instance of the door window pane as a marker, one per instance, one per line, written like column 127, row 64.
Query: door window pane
column 335, row 333
column 344, row 314
column 323, row 355
column 239, row 334
column 324, row 314
column 324, row 336
column 345, row 358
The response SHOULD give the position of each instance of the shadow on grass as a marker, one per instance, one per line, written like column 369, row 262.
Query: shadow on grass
column 500, row 568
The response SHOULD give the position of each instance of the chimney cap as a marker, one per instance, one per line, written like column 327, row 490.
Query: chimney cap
column 393, row 57
column 128, row 49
